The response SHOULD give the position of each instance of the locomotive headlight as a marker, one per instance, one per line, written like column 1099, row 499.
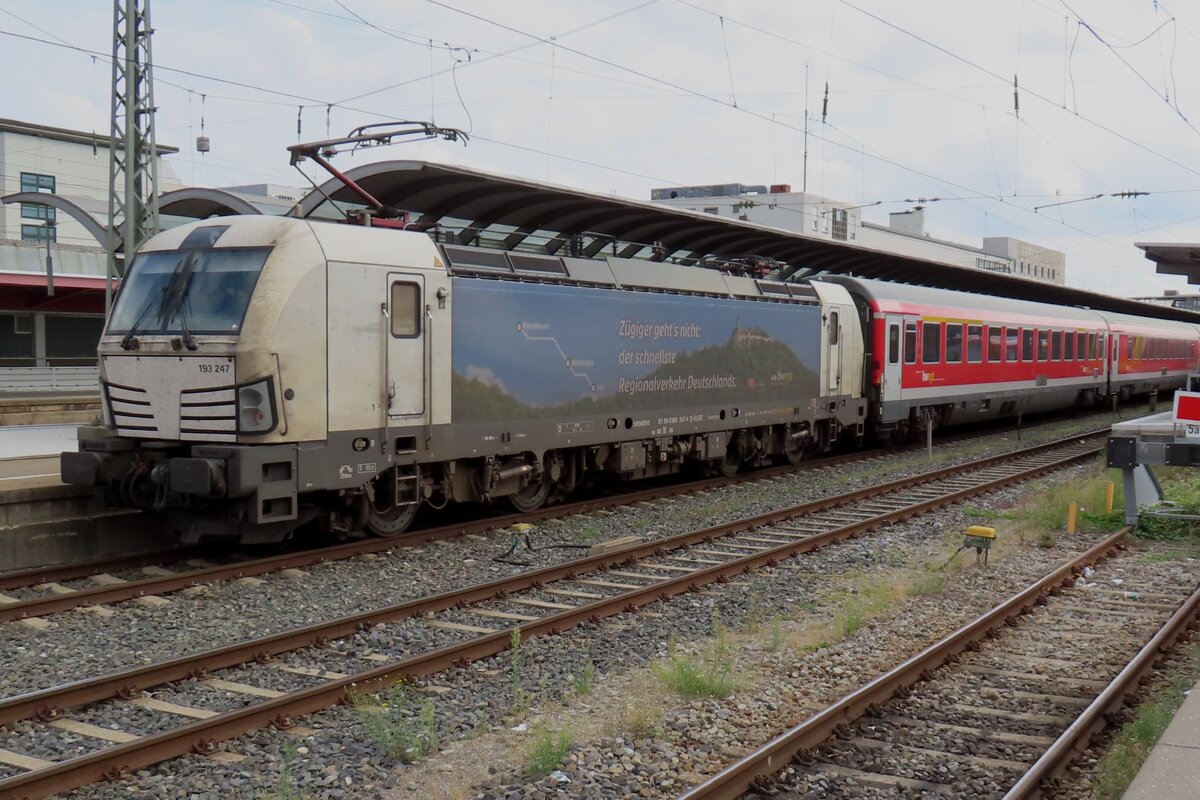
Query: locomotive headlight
column 256, row 407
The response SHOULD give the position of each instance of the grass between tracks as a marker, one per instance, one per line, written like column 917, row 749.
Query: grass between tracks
column 1132, row 744
column 640, row 704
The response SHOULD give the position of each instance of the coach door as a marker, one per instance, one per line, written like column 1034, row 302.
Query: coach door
column 893, row 342
column 407, row 318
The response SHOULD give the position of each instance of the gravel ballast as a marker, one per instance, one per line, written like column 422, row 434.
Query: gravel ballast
column 339, row 760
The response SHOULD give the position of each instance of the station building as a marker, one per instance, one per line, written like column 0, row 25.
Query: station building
column 778, row 206
column 49, row 326
column 51, row 318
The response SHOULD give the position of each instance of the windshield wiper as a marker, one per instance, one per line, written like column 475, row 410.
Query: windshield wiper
column 189, row 341
column 175, row 297
column 129, row 342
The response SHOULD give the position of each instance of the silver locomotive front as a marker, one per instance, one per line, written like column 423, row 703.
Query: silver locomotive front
column 198, row 363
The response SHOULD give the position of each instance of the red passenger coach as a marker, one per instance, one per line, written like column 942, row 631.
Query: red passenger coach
column 955, row 356
column 1150, row 354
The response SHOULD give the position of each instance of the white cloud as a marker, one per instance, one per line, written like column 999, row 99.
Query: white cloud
column 485, row 376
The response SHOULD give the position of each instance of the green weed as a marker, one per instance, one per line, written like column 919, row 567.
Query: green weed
column 1132, row 745
column 519, row 699
column 286, row 789
column 775, row 635
column 548, row 750
column 710, row 674
column 402, row 729
column 927, row 583
column 583, row 678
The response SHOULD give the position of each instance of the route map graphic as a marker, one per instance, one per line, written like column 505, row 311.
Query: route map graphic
column 523, row 329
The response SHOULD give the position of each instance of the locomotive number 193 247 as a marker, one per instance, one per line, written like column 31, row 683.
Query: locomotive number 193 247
column 214, row 368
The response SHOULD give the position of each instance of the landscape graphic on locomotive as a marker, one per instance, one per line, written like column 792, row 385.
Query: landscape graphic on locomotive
column 262, row 373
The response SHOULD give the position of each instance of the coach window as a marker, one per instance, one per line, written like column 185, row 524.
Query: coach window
column 1081, row 346
column 1068, row 346
column 893, row 344
column 910, row 343
column 1091, row 345
column 1056, row 345
column 995, row 337
column 931, row 342
column 1027, row 345
column 974, row 343
column 1043, row 345
column 406, row 310
column 954, row 343
column 1011, row 337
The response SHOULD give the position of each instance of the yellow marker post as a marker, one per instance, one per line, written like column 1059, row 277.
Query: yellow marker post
column 1072, row 513
column 1108, row 498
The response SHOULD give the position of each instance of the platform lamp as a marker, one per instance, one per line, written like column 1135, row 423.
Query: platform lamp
column 49, row 226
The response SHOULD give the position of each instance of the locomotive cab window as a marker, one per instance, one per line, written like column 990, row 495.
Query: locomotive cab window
column 974, row 343
column 406, row 310
column 931, row 343
column 910, row 343
column 834, row 327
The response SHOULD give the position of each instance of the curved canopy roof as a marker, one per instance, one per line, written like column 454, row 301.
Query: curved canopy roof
column 200, row 203
column 66, row 205
column 471, row 206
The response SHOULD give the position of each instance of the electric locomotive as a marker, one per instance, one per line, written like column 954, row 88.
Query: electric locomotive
column 260, row 373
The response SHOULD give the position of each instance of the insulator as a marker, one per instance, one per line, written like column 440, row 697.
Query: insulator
column 202, row 144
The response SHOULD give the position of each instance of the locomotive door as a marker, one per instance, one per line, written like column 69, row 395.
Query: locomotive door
column 406, row 324
column 834, row 339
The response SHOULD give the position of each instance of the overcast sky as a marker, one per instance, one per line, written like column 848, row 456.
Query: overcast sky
column 635, row 94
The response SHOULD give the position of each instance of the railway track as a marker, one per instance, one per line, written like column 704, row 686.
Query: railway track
column 479, row 621
column 997, row 708
column 51, row 590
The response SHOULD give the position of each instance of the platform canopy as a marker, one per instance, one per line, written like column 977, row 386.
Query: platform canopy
column 467, row 206
column 1174, row 259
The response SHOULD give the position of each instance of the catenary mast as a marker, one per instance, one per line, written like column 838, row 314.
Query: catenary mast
column 133, row 162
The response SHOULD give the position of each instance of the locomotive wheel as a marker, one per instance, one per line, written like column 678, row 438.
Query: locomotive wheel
column 385, row 516
column 732, row 462
column 793, row 451
column 530, row 498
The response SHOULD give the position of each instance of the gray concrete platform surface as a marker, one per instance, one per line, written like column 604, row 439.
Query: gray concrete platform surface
column 24, row 441
column 1172, row 772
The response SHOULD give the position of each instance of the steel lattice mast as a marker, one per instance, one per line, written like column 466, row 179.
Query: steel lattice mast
column 133, row 162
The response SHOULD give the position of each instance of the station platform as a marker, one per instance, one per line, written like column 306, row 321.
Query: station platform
column 30, row 489
column 1173, row 769
column 48, row 408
